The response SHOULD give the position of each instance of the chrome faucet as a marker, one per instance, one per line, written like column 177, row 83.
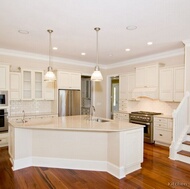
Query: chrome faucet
column 23, row 117
column 92, row 110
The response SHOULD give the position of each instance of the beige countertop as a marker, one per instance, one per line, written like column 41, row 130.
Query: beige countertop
column 77, row 123
column 33, row 114
column 164, row 116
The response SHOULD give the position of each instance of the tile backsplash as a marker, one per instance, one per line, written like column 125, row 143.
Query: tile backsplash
column 35, row 106
column 146, row 104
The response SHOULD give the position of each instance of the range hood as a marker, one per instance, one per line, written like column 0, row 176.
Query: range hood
column 148, row 92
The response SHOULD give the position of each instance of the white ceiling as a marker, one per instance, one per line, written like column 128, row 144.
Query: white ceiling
column 164, row 22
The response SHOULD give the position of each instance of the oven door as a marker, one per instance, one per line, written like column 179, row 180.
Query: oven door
column 3, row 120
column 148, row 130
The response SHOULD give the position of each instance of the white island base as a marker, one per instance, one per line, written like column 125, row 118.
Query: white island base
column 117, row 152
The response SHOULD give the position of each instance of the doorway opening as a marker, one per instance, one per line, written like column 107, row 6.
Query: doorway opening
column 114, row 106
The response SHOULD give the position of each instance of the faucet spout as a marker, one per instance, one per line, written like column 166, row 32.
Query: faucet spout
column 92, row 110
column 23, row 117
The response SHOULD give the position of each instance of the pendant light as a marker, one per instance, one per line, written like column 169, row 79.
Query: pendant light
column 97, row 76
column 49, row 76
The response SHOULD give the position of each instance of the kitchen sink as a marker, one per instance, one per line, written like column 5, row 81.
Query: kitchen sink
column 101, row 120
column 21, row 121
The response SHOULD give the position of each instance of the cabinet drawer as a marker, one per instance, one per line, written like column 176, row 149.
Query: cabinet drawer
column 3, row 141
column 163, row 136
column 160, row 120
column 161, row 125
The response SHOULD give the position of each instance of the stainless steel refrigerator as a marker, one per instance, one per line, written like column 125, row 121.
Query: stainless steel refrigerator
column 68, row 102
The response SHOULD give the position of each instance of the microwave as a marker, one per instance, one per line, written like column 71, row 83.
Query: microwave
column 3, row 98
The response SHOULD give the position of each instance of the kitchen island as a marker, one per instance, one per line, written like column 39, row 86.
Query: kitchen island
column 75, row 142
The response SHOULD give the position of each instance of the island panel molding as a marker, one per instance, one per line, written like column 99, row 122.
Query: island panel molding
column 87, row 147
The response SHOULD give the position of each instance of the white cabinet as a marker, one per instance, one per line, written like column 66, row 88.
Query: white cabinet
column 15, row 86
column 68, row 80
column 49, row 92
column 126, row 86
column 147, row 76
column 4, row 81
column 172, row 84
column 3, row 139
column 123, row 87
column 32, row 85
column 178, row 84
column 131, row 83
column 163, row 130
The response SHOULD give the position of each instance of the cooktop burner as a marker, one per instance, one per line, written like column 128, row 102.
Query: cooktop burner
column 146, row 113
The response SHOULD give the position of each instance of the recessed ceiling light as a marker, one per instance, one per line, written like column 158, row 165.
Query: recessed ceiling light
column 131, row 27
column 55, row 48
column 23, row 31
column 127, row 50
column 149, row 43
column 83, row 53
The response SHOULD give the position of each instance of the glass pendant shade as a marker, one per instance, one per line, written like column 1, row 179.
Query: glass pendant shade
column 49, row 76
column 97, row 76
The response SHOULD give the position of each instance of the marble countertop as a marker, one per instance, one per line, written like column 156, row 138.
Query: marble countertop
column 77, row 123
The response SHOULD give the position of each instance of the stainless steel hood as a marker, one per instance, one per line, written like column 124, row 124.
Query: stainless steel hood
column 148, row 92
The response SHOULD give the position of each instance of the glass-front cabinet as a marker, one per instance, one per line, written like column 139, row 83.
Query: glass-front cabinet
column 32, row 85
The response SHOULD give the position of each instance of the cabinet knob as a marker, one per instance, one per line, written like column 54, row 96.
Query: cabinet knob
column 161, row 135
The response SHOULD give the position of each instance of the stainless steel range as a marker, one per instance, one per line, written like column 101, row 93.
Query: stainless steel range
column 146, row 119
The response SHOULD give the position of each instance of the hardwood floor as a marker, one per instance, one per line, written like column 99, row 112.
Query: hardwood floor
column 158, row 172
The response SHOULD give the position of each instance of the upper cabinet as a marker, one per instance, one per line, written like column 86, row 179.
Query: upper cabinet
column 131, row 81
column 172, row 84
column 49, row 92
column 32, row 85
column 123, row 87
column 4, row 81
column 126, row 86
column 15, row 86
column 147, row 76
column 68, row 80
column 147, row 81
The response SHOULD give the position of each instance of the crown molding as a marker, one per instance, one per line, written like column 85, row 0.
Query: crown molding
column 35, row 56
column 153, row 57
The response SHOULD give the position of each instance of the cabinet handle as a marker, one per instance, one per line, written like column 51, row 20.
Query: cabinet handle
column 161, row 135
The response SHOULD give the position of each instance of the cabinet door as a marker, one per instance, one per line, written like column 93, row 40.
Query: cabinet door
column 38, row 85
column 75, row 81
column 67, row 80
column 123, row 86
column 15, row 86
column 63, row 80
column 131, row 83
column 140, row 77
column 27, row 85
column 151, row 76
column 147, row 76
column 178, row 84
column 4, row 81
column 49, row 91
column 166, row 84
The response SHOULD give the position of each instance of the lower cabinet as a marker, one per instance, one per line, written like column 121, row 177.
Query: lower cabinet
column 163, row 130
column 3, row 139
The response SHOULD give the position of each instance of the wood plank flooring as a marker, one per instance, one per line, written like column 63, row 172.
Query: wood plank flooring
column 158, row 172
